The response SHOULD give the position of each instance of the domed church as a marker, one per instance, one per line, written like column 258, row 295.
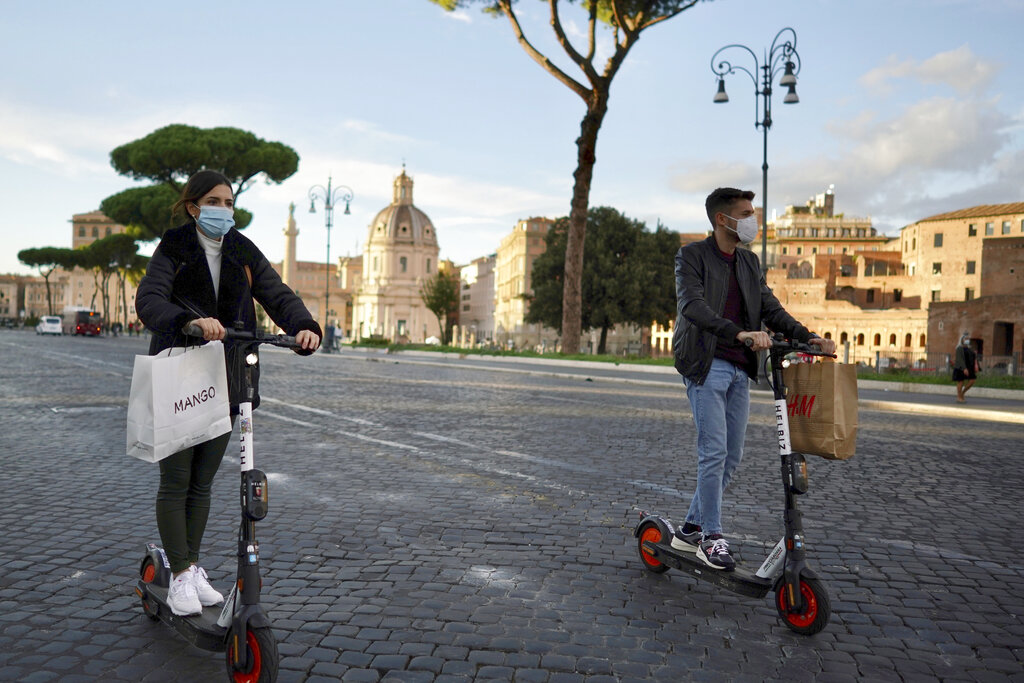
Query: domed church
column 399, row 255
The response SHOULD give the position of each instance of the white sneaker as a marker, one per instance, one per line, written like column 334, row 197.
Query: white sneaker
column 182, row 597
column 208, row 596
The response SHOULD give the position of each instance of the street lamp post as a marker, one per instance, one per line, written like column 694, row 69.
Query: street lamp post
column 782, row 58
column 330, row 197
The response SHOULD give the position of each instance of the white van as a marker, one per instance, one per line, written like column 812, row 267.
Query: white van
column 49, row 324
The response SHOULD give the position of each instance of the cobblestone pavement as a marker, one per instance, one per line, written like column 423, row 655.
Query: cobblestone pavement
column 450, row 524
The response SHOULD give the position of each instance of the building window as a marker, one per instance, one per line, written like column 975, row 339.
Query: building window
column 972, row 230
column 785, row 250
column 922, row 340
column 892, row 339
column 878, row 339
column 830, row 250
column 936, row 269
column 428, row 266
column 465, row 307
column 897, row 296
column 828, row 335
column 1022, row 225
column 81, row 230
column 110, row 230
column 860, row 339
column 403, row 263
column 938, row 239
column 908, row 340
column 970, row 267
column 968, row 293
column 95, row 232
column 1006, row 227
column 990, row 229
column 376, row 264
column 842, row 338
column 936, row 295
column 871, row 296
column 799, row 250
column 814, row 250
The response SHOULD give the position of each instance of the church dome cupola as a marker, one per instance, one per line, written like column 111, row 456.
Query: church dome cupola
column 401, row 222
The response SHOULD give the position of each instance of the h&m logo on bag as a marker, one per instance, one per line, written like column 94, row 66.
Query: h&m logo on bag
column 801, row 405
column 195, row 399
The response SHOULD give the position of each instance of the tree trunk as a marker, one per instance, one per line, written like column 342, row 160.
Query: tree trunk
column 602, row 346
column 572, row 302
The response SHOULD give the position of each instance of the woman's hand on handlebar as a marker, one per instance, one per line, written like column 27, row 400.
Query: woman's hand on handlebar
column 756, row 341
column 211, row 327
column 307, row 340
column 827, row 346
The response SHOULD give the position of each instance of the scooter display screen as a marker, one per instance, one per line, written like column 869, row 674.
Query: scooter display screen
column 255, row 494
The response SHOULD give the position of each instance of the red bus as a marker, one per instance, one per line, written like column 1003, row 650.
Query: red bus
column 83, row 322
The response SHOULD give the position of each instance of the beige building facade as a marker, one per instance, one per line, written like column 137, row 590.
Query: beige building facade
column 476, row 304
column 400, row 254
column 513, row 268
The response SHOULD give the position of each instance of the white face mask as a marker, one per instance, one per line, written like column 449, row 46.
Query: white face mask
column 746, row 228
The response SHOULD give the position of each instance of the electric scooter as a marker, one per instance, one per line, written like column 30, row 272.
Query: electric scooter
column 241, row 628
column 801, row 599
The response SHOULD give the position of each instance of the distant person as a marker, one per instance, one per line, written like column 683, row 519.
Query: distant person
column 722, row 300
column 965, row 367
column 206, row 273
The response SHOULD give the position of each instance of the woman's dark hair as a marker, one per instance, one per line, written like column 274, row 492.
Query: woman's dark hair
column 721, row 201
column 197, row 187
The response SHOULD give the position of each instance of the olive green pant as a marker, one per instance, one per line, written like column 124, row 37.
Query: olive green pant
column 183, row 499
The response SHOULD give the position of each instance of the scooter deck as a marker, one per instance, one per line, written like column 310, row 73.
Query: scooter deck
column 740, row 580
column 201, row 629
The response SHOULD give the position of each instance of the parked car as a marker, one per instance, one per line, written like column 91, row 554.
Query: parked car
column 49, row 324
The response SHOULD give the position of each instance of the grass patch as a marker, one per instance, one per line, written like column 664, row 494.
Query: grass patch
column 605, row 358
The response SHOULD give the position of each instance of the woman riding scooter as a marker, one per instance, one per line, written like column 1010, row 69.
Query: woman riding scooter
column 206, row 273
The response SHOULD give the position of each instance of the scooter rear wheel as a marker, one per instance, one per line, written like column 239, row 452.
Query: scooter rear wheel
column 148, row 575
column 652, row 532
column 263, row 657
column 817, row 607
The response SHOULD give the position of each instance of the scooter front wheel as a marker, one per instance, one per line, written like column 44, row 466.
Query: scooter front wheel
column 815, row 613
column 650, row 531
column 262, row 656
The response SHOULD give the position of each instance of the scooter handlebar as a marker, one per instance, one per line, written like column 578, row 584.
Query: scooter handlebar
column 259, row 337
column 781, row 346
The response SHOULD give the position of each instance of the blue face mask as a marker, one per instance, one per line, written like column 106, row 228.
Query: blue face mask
column 216, row 221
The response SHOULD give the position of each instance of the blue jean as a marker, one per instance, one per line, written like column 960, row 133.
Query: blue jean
column 720, row 408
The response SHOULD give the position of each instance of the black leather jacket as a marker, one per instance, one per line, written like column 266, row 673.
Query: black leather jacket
column 702, row 285
column 178, row 279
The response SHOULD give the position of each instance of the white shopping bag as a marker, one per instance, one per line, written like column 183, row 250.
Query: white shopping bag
column 178, row 399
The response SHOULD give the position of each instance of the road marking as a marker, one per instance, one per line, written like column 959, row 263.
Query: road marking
column 318, row 411
column 362, row 437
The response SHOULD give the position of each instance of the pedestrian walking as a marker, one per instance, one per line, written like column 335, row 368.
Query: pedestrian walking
column 208, row 274
column 965, row 367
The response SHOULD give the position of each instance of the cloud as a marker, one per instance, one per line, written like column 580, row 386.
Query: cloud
column 960, row 69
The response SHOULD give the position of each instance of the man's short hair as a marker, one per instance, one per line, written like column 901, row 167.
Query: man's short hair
column 722, row 199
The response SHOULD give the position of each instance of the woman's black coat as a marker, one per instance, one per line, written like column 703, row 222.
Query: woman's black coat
column 178, row 288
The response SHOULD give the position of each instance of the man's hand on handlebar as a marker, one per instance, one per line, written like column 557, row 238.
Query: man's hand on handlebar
column 827, row 346
column 307, row 340
column 211, row 327
column 756, row 341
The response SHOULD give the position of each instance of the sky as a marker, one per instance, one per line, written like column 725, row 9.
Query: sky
column 909, row 108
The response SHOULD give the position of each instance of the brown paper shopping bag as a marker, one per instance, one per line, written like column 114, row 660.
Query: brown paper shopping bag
column 822, row 406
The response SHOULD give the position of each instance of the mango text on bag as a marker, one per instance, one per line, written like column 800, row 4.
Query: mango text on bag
column 194, row 400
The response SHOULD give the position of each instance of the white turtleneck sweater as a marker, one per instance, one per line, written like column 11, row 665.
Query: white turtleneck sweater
column 212, row 248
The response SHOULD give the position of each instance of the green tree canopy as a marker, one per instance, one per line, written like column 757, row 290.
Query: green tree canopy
column 48, row 259
column 170, row 155
column 441, row 295
column 627, row 274
column 627, row 19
